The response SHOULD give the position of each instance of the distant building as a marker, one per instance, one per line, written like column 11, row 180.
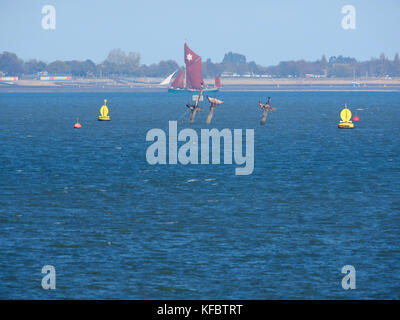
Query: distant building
column 229, row 75
column 246, row 75
column 55, row 78
column 310, row 75
column 8, row 78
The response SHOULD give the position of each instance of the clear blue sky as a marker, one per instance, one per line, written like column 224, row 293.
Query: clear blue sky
column 266, row 31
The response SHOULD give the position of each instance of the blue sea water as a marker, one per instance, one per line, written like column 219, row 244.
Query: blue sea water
column 114, row 227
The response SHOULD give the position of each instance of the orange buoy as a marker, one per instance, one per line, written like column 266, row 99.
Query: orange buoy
column 77, row 124
column 356, row 118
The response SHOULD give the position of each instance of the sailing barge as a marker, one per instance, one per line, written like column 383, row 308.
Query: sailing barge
column 190, row 78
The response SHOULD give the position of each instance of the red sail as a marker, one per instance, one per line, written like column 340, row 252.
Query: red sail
column 194, row 78
column 178, row 82
column 218, row 82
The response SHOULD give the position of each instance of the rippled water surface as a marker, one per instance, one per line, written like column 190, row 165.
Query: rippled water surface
column 87, row 202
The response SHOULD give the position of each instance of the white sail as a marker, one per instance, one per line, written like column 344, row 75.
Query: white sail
column 167, row 80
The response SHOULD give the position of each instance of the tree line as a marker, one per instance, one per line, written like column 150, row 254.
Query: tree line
column 119, row 63
column 340, row 67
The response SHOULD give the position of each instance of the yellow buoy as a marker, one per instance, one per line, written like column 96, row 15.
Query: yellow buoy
column 345, row 115
column 104, row 112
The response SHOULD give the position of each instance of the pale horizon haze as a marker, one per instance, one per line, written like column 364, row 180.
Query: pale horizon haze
column 266, row 32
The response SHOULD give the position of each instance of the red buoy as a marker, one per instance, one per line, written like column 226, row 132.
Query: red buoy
column 356, row 118
column 77, row 124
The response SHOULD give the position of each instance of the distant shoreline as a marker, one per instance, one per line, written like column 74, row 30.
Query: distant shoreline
column 229, row 85
column 158, row 90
